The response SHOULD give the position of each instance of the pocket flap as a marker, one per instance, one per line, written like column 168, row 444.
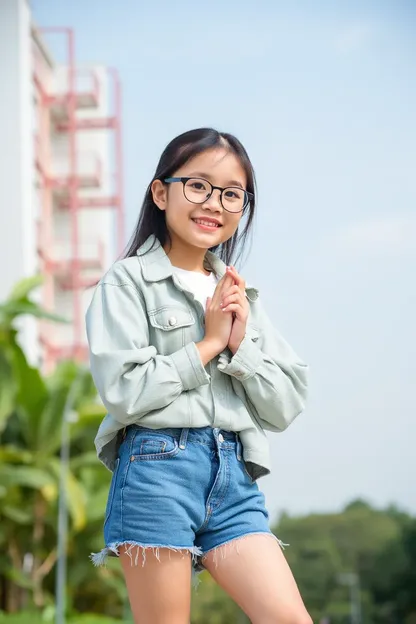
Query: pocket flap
column 171, row 317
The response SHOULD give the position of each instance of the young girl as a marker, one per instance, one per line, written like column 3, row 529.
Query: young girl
column 192, row 374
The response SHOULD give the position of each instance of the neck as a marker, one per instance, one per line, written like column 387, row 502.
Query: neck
column 185, row 256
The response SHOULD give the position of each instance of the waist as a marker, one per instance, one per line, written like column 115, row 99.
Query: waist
column 201, row 435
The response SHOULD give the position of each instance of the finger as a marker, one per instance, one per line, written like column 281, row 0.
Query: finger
column 218, row 290
column 236, row 277
column 231, row 290
column 208, row 303
column 225, row 282
column 228, row 281
column 234, row 290
column 233, row 298
column 237, row 309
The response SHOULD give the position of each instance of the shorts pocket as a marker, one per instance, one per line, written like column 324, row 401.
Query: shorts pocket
column 153, row 445
column 111, row 492
column 247, row 474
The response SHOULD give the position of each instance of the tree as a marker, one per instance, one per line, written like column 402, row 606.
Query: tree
column 31, row 411
column 326, row 546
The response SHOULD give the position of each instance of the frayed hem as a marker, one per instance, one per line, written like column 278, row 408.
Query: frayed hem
column 220, row 551
column 100, row 559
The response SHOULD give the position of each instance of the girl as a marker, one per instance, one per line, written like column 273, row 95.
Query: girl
column 192, row 374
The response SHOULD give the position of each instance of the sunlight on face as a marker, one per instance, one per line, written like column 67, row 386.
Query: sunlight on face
column 206, row 224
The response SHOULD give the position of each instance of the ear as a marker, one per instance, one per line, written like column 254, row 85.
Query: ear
column 160, row 194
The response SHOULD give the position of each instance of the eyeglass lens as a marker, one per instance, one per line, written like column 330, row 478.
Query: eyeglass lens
column 198, row 190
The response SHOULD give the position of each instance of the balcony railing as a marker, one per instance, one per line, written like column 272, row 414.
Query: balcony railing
column 59, row 260
column 86, row 90
column 88, row 172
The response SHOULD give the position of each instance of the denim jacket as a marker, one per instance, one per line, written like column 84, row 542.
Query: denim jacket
column 142, row 327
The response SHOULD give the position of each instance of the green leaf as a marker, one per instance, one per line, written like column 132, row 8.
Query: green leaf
column 17, row 514
column 32, row 395
column 85, row 459
column 59, row 385
column 21, row 618
column 10, row 310
column 76, row 502
column 8, row 389
column 10, row 454
column 22, row 475
column 76, row 496
column 93, row 619
column 25, row 286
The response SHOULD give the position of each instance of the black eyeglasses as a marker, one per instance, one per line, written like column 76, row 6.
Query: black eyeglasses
column 198, row 191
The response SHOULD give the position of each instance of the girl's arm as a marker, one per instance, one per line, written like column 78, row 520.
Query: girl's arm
column 131, row 377
column 273, row 377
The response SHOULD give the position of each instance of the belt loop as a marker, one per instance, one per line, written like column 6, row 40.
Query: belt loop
column 183, row 439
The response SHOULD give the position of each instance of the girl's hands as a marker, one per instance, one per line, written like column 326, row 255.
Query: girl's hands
column 217, row 322
column 225, row 317
column 234, row 300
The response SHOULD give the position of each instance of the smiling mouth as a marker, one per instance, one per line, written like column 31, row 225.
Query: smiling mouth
column 213, row 225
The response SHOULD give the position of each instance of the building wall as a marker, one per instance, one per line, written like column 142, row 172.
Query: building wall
column 35, row 226
column 17, row 204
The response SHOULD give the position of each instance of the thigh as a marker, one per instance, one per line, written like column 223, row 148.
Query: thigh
column 256, row 575
column 158, row 584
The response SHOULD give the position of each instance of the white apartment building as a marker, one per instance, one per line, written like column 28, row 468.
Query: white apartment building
column 61, row 182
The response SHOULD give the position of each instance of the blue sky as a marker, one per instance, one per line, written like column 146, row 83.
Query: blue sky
column 323, row 95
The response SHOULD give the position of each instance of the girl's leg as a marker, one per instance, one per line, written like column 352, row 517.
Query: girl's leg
column 160, row 590
column 254, row 573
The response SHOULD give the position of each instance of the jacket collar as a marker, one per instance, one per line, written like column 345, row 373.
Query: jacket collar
column 156, row 265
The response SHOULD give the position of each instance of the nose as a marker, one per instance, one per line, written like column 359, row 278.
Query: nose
column 214, row 201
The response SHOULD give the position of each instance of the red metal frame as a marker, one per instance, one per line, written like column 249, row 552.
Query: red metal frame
column 113, row 122
column 74, row 280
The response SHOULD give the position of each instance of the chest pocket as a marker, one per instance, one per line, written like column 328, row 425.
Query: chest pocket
column 172, row 327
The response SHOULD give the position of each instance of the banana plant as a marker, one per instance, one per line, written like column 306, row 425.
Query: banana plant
column 31, row 412
column 12, row 360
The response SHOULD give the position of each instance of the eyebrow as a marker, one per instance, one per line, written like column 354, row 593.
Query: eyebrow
column 200, row 174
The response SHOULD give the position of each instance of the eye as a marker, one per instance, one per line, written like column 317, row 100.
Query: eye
column 198, row 185
column 234, row 193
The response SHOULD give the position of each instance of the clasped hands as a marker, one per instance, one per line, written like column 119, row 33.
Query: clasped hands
column 227, row 312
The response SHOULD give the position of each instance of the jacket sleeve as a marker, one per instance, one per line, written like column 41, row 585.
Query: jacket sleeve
column 131, row 377
column 272, row 375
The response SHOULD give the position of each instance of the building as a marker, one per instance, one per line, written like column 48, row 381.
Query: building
column 61, row 178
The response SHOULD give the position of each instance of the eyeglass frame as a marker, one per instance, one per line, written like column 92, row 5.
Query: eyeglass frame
column 249, row 196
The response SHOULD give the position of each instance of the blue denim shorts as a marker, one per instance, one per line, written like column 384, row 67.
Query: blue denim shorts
column 181, row 489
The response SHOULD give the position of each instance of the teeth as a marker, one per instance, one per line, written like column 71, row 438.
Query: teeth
column 209, row 223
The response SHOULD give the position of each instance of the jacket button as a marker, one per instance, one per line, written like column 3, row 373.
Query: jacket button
column 221, row 438
column 172, row 321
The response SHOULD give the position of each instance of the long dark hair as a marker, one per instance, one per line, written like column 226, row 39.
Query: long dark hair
column 176, row 154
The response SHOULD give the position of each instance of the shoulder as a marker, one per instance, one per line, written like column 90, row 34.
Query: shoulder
column 125, row 272
column 120, row 287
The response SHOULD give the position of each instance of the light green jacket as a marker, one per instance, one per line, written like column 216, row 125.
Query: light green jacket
column 142, row 326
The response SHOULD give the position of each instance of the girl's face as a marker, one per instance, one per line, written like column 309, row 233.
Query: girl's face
column 208, row 224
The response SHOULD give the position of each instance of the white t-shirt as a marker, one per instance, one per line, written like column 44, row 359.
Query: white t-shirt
column 201, row 285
